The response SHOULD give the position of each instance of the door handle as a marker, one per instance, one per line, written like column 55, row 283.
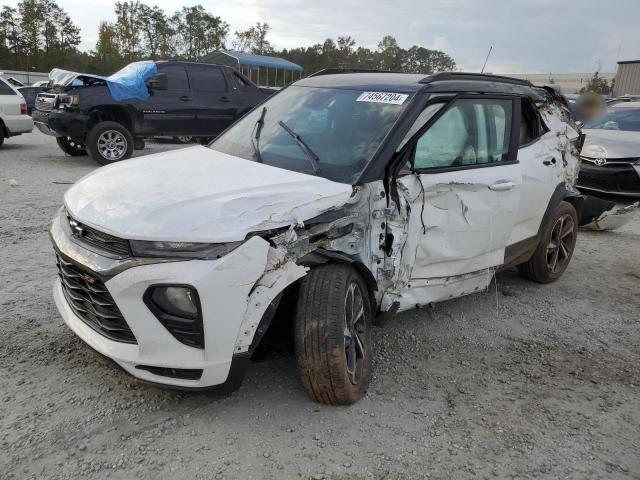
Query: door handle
column 501, row 186
column 185, row 98
column 548, row 162
column 225, row 99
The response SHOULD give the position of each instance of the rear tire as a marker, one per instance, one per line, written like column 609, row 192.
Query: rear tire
column 109, row 142
column 71, row 147
column 1, row 138
column 333, row 334
column 556, row 246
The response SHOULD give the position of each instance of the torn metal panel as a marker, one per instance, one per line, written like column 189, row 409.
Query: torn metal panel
column 268, row 287
column 614, row 217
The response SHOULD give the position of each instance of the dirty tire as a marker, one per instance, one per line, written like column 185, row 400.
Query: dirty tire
column 71, row 147
column 1, row 137
column 123, row 142
column 325, row 346
column 556, row 246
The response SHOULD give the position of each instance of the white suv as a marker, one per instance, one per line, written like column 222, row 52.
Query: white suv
column 341, row 199
column 13, row 112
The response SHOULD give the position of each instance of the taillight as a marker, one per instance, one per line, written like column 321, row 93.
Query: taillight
column 23, row 108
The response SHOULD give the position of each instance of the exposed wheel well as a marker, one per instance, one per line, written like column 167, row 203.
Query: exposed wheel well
column 110, row 113
column 3, row 129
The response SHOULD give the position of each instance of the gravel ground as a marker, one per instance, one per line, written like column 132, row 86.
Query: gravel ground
column 526, row 381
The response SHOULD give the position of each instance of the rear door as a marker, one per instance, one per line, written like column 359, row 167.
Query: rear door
column 214, row 99
column 170, row 111
column 464, row 196
column 542, row 171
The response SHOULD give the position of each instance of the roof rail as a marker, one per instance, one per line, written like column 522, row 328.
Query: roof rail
column 475, row 77
column 335, row 71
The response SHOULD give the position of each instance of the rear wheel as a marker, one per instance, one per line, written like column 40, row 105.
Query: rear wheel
column 333, row 337
column 71, row 147
column 184, row 139
column 555, row 250
column 1, row 137
column 109, row 142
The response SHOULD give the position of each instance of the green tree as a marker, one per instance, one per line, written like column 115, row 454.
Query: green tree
column 198, row 32
column 253, row 39
column 597, row 84
column 157, row 33
column 107, row 53
column 423, row 60
column 390, row 57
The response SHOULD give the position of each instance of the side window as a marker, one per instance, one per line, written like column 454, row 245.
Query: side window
column 176, row 76
column 6, row 89
column 241, row 82
column 209, row 79
column 531, row 126
column 470, row 132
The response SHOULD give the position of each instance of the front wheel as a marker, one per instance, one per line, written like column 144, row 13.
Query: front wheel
column 556, row 246
column 71, row 147
column 333, row 337
column 109, row 142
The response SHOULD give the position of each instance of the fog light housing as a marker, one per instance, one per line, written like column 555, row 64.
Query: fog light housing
column 177, row 307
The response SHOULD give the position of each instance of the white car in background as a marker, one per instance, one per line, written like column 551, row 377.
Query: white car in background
column 13, row 112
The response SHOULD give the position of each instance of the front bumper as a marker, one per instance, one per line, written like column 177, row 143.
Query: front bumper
column 60, row 123
column 614, row 179
column 224, row 287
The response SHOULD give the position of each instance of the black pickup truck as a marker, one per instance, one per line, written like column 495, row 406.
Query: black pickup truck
column 109, row 117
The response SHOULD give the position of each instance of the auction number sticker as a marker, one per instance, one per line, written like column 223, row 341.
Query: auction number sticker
column 383, row 97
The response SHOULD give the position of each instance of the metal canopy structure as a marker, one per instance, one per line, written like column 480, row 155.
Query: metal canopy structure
column 273, row 68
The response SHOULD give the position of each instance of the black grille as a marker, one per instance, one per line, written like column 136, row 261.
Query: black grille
column 611, row 178
column 103, row 241
column 90, row 300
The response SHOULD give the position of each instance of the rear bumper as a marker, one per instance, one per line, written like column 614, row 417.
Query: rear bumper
column 17, row 124
column 61, row 124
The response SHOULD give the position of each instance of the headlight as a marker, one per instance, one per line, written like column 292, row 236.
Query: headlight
column 68, row 101
column 206, row 251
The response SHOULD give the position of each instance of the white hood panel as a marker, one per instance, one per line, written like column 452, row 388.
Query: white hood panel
column 198, row 195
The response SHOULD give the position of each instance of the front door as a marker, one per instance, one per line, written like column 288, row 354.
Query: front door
column 171, row 111
column 463, row 197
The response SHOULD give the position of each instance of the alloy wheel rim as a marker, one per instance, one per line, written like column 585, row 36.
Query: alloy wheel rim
column 112, row 145
column 185, row 139
column 561, row 243
column 354, row 330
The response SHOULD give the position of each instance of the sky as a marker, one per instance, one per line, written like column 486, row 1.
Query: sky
column 542, row 36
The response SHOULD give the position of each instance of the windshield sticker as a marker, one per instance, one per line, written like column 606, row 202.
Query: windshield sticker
column 383, row 97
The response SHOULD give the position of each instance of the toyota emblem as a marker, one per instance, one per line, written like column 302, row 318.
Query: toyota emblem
column 600, row 162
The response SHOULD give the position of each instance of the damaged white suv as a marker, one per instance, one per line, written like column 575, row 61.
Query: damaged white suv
column 353, row 195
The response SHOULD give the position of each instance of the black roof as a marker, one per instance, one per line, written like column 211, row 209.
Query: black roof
column 411, row 82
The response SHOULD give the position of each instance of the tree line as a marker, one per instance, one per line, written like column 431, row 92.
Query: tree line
column 40, row 35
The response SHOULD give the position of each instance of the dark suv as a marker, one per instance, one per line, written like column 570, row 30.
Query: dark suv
column 110, row 116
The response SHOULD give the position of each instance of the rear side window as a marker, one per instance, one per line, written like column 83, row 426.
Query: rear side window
column 470, row 132
column 176, row 76
column 531, row 126
column 207, row 80
column 6, row 89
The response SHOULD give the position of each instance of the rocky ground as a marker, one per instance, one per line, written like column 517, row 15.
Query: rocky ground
column 525, row 381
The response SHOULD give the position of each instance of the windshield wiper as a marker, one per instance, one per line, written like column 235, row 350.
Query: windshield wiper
column 313, row 158
column 255, row 139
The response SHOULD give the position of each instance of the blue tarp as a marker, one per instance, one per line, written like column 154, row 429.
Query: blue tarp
column 129, row 82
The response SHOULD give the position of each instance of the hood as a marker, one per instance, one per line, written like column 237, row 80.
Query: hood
column 198, row 195
column 611, row 144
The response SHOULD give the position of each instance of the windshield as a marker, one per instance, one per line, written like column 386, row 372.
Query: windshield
column 330, row 132
column 621, row 118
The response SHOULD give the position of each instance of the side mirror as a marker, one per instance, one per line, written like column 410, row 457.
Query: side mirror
column 158, row 82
